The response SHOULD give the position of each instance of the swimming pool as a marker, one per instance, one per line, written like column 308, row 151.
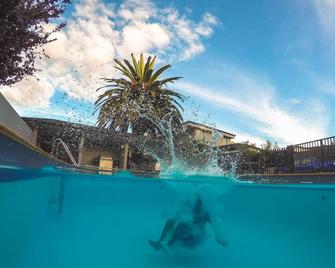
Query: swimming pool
column 56, row 218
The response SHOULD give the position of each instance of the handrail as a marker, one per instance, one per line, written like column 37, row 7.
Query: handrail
column 55, row 147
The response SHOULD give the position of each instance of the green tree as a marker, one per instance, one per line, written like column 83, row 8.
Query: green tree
column 139, row 97
column 268, row 146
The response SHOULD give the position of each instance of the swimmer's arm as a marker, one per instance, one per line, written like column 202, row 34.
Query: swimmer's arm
column 217, row 225
column 218, row 232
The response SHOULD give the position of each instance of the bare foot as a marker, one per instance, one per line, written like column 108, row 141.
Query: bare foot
column 156, row 245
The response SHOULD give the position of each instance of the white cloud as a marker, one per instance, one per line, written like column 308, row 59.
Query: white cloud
column 190, row 33
column 243, row 137
column 137, row 10
column 326, row 12
column 205, row 28
column 31, row 93
column 99, row 32
column 146, row 37
column 256, row 100
column 325, row 85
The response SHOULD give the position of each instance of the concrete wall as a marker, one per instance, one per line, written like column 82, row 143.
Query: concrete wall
column 10, row 119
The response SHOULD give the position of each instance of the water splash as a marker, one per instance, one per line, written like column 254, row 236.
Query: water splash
column 179, row 154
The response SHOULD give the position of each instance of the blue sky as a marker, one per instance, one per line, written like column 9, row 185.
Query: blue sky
column 260, row 69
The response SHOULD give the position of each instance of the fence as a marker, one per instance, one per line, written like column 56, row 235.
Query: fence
column 313, row 156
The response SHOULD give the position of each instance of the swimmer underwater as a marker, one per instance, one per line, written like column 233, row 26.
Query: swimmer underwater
column 189, row 233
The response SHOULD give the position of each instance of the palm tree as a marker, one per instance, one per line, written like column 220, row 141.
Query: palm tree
column 130, row 102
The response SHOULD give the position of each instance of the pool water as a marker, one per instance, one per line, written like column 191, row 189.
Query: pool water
column 61, row 219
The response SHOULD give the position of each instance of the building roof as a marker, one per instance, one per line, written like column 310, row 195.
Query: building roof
column 101, row 134
column 90, row 132
column 208, row 128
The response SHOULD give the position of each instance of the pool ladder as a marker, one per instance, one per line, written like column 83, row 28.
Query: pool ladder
column 55, row 147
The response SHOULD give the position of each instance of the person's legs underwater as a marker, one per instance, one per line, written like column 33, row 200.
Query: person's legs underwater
column 176, row 233
column 168, row 227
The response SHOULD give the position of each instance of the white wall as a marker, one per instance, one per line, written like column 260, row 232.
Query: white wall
column 10, row 118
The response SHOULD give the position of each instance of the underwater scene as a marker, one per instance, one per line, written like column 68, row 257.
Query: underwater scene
column 52, row 218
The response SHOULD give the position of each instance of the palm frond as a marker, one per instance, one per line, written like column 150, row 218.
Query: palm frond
column 140, row 90
column 158, row 72
column 135, row 63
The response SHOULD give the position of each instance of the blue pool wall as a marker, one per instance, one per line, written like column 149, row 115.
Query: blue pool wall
column 15, row 151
